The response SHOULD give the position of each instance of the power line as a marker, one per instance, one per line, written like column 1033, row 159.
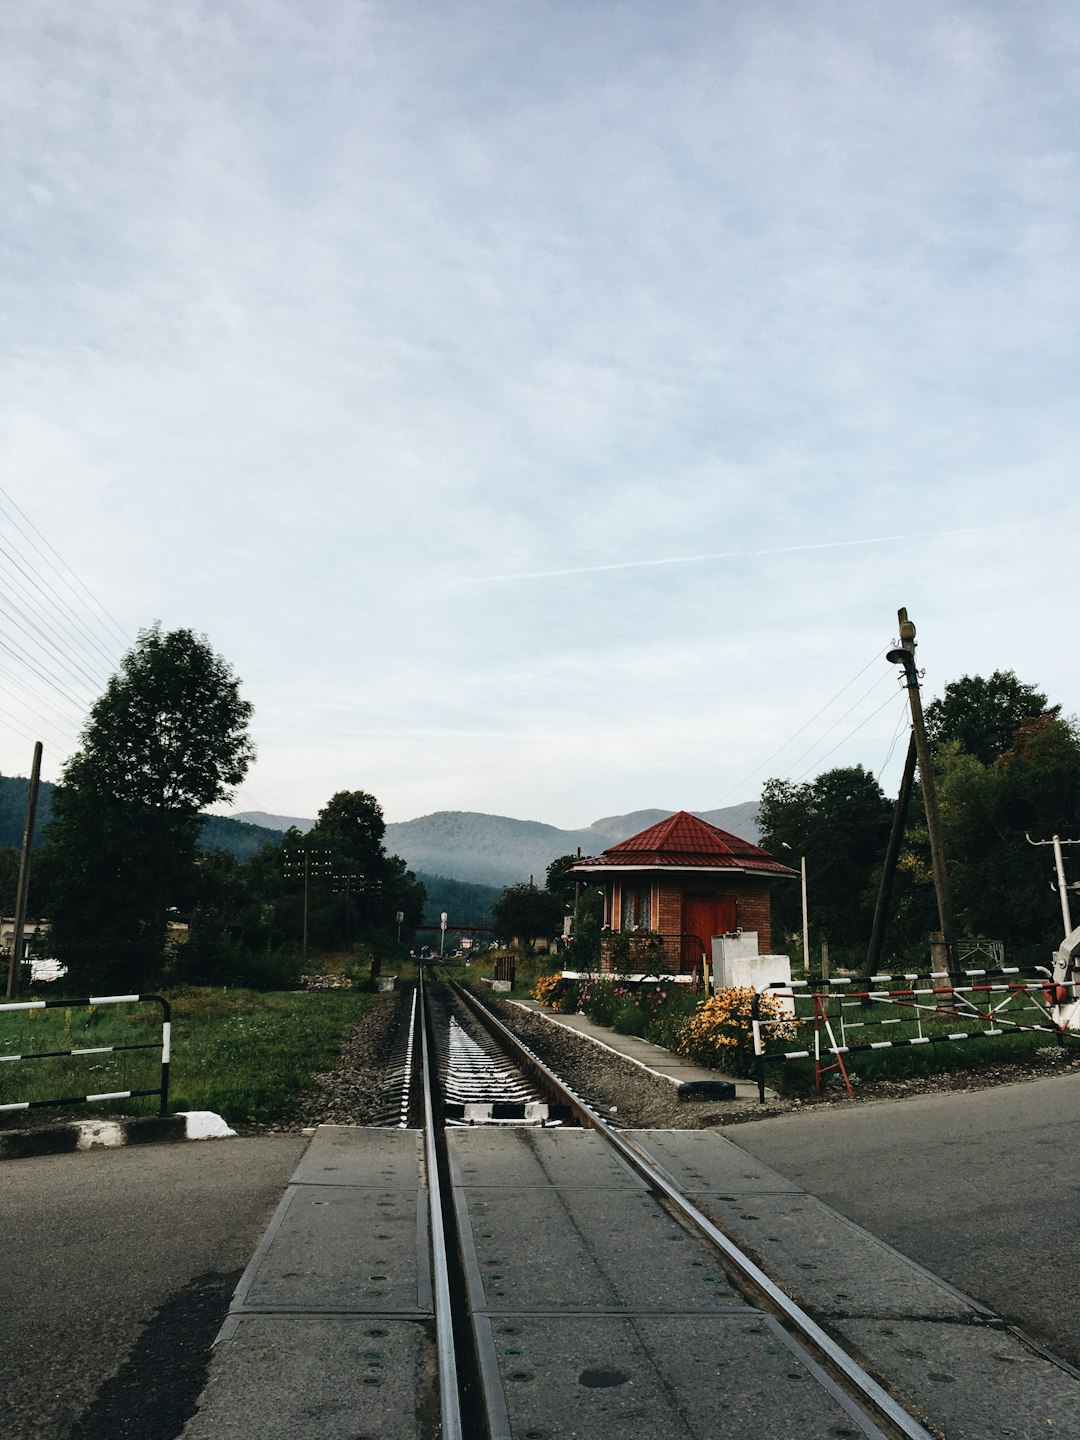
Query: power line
column 13, row 679
column 48, row 593
column 80, row 705
column 888, row 675
column 892, row 746
column 126, row 639
column 758, row 769
column 847, row 737
column 13, row 611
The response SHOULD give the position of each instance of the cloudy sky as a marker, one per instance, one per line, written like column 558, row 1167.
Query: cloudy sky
column 544, row 405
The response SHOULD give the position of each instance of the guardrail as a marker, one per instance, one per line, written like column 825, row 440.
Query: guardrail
column 163, row 1045
column 923, row 1004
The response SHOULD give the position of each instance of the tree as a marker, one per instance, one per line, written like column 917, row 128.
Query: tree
column 840, row 822
column 167, row 738
column 527, row 914
column 1001, row 883
column 350, row 826
column 585, row 901
column 984, row 715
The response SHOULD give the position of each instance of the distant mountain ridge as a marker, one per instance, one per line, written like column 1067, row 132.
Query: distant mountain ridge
column 462, row 845
column 498, row 850
column 482, row 849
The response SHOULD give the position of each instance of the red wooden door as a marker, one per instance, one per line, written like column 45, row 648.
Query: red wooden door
column 704, row 916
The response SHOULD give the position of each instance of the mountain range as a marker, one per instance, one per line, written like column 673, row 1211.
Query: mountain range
column 460, row 845
column 498, row 850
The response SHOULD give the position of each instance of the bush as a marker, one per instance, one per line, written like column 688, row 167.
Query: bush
column 557, row 993
column 720, row 1035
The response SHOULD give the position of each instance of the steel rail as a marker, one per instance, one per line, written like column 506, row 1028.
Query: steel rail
column 791, row 1313
column 449, row 1401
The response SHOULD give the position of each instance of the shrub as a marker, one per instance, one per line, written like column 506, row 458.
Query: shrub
column 557, row 993
column 719, row 1033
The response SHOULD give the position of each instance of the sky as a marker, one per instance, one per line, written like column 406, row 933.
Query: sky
column 544, row 407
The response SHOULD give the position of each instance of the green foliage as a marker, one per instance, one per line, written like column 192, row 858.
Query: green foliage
column 1001, row 884
column 222, row 832
column 982, row 715
column 168, row 736
column 525, row 913
column 464, row 902
column 585, row 902
column 355, row 896
column 840, row 821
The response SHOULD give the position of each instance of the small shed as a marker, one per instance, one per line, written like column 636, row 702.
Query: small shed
column 671, row 888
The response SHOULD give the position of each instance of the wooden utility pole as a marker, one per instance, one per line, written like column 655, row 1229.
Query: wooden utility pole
column 17, row 940
column 892, row 855
column 905, row 655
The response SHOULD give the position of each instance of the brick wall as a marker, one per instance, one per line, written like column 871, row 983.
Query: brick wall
column 755, row 912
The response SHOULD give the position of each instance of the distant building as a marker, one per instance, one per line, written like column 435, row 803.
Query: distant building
column 671, row 888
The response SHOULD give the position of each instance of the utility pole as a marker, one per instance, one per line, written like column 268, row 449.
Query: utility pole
column 342, row 886
column 892, row 855
column 302, row 860
column 905, row 655
column 18, row 942
column 1063, row 889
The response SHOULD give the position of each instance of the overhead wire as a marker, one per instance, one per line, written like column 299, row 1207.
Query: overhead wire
column 805, row 725
column 865, row 721
column 892, row 743
column 849, row 711
column 10, row 647
column 9, row 559
column 121, row 633
column 72, row 666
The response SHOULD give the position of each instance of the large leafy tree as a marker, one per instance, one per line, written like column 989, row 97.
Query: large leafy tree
column 168, row 737
column 528, row 914
column 1002, row 883
column 364, row 888
column 983, row 715
column 840, row 822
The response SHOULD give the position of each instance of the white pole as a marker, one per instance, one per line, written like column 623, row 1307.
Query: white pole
column 805, row 921
column 1063, row 890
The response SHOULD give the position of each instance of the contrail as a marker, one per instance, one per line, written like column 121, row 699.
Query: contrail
column 732, row 555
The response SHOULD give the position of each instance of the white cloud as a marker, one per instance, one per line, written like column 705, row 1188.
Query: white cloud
column 314, row 313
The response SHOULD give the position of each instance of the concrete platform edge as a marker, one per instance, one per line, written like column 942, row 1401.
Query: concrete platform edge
column 75, row 1135
column 631, row 1059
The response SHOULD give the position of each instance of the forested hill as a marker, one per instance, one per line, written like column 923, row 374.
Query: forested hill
column 464, row 904
column 13, row 792
column 219, row 832
column 461, row 845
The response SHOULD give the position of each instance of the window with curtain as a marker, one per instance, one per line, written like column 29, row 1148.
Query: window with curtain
column 636, row 913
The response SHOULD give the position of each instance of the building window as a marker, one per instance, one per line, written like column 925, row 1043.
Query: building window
column 636, row 912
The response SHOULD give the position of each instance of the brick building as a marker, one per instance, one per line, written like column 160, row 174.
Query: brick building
column 671, row 888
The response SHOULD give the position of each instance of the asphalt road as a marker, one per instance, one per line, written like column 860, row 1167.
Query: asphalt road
column 117, row 1269
column 982, row 1187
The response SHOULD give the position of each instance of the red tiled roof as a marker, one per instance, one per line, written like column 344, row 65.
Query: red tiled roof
column 684, row 841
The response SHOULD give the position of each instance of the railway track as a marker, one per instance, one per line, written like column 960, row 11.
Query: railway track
column 497, row 1262
column 509, row 1068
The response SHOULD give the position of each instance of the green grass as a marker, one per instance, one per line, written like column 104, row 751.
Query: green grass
column 244, row 1054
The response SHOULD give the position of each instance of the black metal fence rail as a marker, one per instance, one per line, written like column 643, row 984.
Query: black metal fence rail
column 88, row 1001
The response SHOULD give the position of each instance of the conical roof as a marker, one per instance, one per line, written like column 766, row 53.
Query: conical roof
column 685, row 842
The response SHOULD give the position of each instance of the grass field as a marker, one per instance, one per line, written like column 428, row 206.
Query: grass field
column 243, row 1054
